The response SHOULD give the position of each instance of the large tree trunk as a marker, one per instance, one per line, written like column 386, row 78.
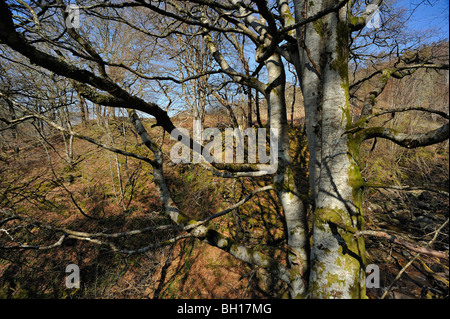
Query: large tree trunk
column 337, row 267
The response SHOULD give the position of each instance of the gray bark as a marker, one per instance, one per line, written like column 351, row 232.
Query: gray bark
column 311, row 86
column 293, row 208
column 336, row 257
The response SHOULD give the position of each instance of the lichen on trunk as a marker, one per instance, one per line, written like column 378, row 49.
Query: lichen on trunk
column 337, row 258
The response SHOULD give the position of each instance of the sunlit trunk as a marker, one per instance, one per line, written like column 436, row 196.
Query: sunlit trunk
column 337, row 268
column 293, row 208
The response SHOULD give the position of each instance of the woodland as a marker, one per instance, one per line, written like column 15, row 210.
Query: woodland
column 91, row 93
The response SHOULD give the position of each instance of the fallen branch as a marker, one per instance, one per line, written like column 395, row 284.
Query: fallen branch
column 227, row 174
column 402, row 242
column 412, row 260
column 430, row 188
column 35, row 247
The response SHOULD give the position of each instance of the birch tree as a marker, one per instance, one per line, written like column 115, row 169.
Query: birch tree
column 316, row 38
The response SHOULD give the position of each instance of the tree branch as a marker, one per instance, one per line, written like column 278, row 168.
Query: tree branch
column 359, row 22
column 239, row 171
column 315, row 17
column 412, row 260
column 408, row 109
column 10, row 37
column 85, row 44
column 431, row 188
column 77, row 135
column 402, row 242
column 407, row 140
column 398, row 72
column 237, row 77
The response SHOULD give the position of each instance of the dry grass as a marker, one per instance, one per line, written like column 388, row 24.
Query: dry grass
column 191, row 269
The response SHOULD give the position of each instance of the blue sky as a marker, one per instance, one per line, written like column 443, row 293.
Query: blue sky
column 429, row 14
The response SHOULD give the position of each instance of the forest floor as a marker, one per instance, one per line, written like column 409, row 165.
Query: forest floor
column 39, row 182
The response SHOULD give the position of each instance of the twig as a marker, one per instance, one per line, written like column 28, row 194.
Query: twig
column 25, row 246
column 249, row 282
column 412, row 260
column 429, row 188
column 77, row 135
column 65, row 188
column 399, row 241
column 231, row 208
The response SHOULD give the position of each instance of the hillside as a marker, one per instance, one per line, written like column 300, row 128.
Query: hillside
column 86, row 195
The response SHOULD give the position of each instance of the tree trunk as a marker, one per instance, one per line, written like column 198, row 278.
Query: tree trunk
column 84, row 115
column 293, row 208
column 197, row 125
column 337, row 258
column 258, row 113
column 249, row 108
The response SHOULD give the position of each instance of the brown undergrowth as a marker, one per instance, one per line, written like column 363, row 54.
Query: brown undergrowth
column 85, row 196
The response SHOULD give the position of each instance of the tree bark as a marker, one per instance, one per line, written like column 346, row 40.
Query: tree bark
column 293, row 208
column 337, row 258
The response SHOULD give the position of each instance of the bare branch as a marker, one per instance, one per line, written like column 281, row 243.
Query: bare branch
column 402, row 242
column 430, row 188
column 412, row 260
column 133, row 251
column 85, row 44
column 408, row 109
column 14, row 122
column 401, row 71
column 237, row 77
column 9, row 36
column 395, row 72
column 359, row 22
column 80, row 136
column 35, row 247
column 262, row 170
column 91, row 237
column 407, row 140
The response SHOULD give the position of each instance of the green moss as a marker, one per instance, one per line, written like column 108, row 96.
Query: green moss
column 356, row 180
column 181, row 219
column 354, row 174
column 340, row 63
column 288, row 183
column 346, row 113
column 354, row 20
column 320, row 26
column 323, row 216
column 335, row 278
column 288, row 19
column 208, row 38
column 385, row 75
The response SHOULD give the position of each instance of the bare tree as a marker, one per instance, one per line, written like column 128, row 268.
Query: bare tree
column 316, row 37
